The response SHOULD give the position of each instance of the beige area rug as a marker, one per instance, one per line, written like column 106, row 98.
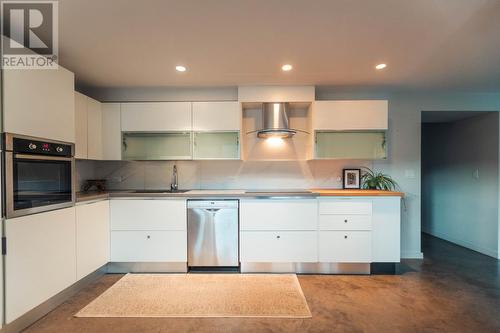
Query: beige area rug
column 201, row 295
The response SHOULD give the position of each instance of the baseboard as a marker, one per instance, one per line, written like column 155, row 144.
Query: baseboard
column 305, row 268
column 466, row 244
column 41, row 310
column 147, row 267
column 412, row 255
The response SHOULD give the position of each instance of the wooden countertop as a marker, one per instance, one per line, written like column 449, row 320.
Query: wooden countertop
column 357, row 193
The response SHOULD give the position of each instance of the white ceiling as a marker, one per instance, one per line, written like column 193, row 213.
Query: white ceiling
column 427, row 44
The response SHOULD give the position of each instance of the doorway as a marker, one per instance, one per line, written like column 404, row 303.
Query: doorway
column 460, row 152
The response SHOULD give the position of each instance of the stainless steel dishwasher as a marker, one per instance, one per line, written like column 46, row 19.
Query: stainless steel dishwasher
column 213, row 234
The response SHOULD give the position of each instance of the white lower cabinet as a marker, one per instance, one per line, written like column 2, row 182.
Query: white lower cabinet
column 345, row 222
column 92, row 237
column 148, row 230
column 40, row 260
column 279, row 246
column 386, row 230
column 279, row 214
column 278, row 230
column 148, row 246
column 131, row 214
column 345, row 246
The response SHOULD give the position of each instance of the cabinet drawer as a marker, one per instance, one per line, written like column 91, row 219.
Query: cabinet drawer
column 148, row 246
column 345, row 246
column 345, row 207
column 345, row 222
column 279, row 246
column 261, row 214
column 148, row 214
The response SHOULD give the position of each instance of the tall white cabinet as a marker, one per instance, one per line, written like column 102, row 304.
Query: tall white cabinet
column 111, row 131
column 40, row 103
column 88, row 128
column 81, row 126
column 92, row 237
column 94, row 139
column 40, row 260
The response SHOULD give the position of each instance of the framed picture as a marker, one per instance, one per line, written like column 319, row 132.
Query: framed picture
column 351, row 179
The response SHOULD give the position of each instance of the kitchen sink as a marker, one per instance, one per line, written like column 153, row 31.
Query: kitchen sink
column 159, row 191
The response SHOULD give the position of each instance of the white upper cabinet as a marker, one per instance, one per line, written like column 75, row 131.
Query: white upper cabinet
column 40, row 103
column 81, row 125
column 156, row 117
column 216, row 116
column 350, row 115
column 94, row 129
column 88, row 128
column 111, row 131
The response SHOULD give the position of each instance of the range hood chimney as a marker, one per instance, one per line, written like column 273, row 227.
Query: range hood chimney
column 275, row 121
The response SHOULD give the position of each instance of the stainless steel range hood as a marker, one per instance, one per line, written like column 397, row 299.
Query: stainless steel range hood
column 275, row 121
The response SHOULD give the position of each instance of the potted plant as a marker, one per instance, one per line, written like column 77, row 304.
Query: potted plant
column 372, row 180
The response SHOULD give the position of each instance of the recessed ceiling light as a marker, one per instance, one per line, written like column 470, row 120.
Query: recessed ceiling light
column 180, row 68
column 380, row 66
column 286, row 67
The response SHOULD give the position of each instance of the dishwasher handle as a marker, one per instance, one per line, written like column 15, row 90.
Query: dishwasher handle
column 212, row 210
column 212, row 204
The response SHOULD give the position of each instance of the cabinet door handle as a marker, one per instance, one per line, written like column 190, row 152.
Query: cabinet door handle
column 345, row 221
column 345, row 237
column 278, row 237
column 148, row 236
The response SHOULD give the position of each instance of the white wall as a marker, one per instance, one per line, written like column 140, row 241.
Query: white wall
column 458, row 204
column 161, row 94
column 122, row 175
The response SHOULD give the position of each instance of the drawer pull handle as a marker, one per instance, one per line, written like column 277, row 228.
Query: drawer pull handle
column 148, row 236
column 345, row 237
column 345, row 221
column 278, row 237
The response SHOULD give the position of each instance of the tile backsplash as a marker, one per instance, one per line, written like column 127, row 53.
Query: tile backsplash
column 124, row 175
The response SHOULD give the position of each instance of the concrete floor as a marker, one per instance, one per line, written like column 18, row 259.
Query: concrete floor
column 452, row 290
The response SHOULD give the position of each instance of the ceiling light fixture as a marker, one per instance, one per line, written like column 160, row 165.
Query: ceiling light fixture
column 286, row 67
column 380, row 66
column 180, row 68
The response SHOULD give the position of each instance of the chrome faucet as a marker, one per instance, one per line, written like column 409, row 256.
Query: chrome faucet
column 174, row 185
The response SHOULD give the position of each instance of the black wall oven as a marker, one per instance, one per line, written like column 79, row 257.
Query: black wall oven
column 39, row 175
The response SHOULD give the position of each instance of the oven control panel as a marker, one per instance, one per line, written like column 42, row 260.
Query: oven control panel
column 40, row 147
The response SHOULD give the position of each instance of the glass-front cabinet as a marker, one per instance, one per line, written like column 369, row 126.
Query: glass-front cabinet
column 157, row 146
column 216, row 145
column 369, row 145
column 140, row 146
